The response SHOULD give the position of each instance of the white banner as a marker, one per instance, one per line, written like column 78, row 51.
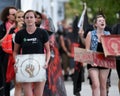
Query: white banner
column 30, row 68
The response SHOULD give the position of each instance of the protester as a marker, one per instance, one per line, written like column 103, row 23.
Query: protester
column 19, row 25
column 36, row 46
column 9, row 38
column 116, row 31
column 8, row 21
column 71, row 43
column 78, row 75
column 38, row 18
column 98, row 75
column 55, row 82
column 63, row 48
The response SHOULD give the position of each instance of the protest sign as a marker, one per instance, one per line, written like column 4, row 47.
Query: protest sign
column 111, row 45
column 91, row 57
column 30, row 68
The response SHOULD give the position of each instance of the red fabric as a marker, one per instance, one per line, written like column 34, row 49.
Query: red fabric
column 10, row 69
column 7, row 47
column 16, row 30
column 54, row 71
column 72, row 48
column 7, row 44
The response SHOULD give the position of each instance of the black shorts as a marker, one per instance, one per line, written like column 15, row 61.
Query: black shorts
column 118, row 68
column 98, row 67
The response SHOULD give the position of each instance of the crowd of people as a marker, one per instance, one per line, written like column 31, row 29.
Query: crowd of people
column 29, row 33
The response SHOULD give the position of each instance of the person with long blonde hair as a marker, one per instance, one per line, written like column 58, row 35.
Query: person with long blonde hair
column 19, row 25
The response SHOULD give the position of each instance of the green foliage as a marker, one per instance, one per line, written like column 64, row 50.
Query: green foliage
column 73, row 8
column 108, row 7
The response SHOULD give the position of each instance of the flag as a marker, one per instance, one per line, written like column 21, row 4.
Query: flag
column 81, row 20
column 84, row 23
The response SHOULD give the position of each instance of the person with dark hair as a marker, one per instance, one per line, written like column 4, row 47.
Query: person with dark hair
column 8, row 21
column 32, row 40
column 78, row 75
column 38, row 18
column 98, row 75
column 9, row 38
column 64, row 48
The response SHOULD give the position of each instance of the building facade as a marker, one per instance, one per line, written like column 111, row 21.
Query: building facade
column 52, row 8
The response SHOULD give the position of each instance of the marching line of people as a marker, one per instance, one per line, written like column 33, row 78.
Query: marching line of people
column 41, row 38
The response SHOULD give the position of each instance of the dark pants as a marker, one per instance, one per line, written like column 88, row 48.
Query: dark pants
column 6, row 85
column 1, row 81
column 78, row 78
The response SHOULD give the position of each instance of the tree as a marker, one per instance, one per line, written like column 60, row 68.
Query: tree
column 109, row 7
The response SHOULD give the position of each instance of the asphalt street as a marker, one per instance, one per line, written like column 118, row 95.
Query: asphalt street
column 86, row 90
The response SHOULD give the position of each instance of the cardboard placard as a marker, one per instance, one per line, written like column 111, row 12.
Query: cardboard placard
column 30, row 68
column 91, row 57
column 111, row 45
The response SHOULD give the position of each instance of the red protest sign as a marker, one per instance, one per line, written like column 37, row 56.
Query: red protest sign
column 82, row 55
column 111, row 45
column 91, row 57
column 101, row 60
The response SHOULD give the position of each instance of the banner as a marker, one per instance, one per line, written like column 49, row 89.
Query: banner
column 30, row 68
column 91, row 57
column 111, row 45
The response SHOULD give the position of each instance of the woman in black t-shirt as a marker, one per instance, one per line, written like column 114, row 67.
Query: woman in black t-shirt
column 32, row 40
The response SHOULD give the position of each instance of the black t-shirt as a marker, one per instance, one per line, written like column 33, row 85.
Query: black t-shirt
column 32, row 43
column 99, row 47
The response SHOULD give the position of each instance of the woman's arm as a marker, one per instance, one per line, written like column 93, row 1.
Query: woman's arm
column 81, row 33
column 7, row 33
column 16, row 49
column 88, row 41
column 62, row 43
column 47, row 49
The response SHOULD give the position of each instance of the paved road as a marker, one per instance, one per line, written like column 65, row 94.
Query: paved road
column 86, row 90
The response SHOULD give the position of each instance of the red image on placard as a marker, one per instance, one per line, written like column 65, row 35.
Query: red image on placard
column 111, row 45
